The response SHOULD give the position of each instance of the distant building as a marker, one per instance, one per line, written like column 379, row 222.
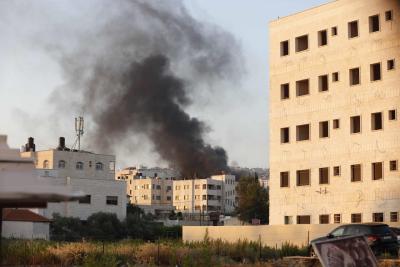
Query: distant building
column 84, row 171
column 217, row 193
column 333, row 114
column 149, row 188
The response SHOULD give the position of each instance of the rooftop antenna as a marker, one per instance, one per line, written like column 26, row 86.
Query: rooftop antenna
column 79, row 123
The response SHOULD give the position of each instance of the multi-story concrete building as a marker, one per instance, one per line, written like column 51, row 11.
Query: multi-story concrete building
column 205, row 195
column 334, row 101
column 83, row 171
column 149, row 188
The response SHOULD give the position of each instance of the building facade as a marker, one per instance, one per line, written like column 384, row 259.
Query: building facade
column 205, row 195
column 149, row 188
column 83, row 171
column 334, row 102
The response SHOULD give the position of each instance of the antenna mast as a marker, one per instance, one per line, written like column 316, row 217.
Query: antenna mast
column 79, row 123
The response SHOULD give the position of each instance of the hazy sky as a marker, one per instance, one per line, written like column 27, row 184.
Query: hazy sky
column 29, row 74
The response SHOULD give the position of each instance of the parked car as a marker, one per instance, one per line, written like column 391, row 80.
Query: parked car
column 379, row 236
column 396, row 231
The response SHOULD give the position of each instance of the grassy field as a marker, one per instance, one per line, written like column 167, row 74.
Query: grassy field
column 139, row 253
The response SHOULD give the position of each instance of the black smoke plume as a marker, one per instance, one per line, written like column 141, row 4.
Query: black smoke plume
column 138, row 72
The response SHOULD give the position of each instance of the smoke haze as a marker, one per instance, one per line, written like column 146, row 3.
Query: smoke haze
column 139, row 71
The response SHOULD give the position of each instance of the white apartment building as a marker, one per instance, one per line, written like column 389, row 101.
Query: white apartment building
column 334, row 102
column 82, row 171
column 205, row 195
column 152, row 193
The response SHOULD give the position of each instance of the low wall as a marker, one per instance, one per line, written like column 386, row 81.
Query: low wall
column 270, row 235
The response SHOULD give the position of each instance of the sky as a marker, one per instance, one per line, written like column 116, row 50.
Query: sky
column 29, row 74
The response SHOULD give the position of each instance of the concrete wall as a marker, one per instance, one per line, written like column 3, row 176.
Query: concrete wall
column 25, row 230
column 340, row 195
column 270, row 235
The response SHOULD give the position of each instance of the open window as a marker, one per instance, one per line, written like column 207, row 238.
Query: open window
column 335, row 77
column 284, row 179
column 392, row 115
column 377, row 170
column 353, row 29
column 334, row 31
column 324, row 129
column 324, row 175
column 375, row 71
column 303, row 177
column 389, row 15
column 390, row 64
column 301, row 43
column 285, row 48
column 285, row 137
column 303, row 132
column 303, row 219
column 324, row 219
column 374, row 23
column 356, row 218
column 323, row 84
column 322, row 38
column 355, row 172
column 354, row 75
column 285, row 91
column 377, row 217
column 336, row 171
column 393, row 165
column 303, row 87
column 376, row 121
column 355, row 124
column 336, row 124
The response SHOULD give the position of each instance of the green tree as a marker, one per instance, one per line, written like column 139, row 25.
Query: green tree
column 253, row 200
column 66, row 228
column 104, row 226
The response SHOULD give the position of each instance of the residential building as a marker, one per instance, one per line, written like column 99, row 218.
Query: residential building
column 83, row 171
column 334, row 103
column 216, row 193
column 149, row 188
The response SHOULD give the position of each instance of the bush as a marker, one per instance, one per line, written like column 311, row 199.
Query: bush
column 104, row 226
column 66, row 228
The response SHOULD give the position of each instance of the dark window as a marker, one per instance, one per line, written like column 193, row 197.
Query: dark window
column 285, row 48
column 303, row 177
column 99, row 166
column 392, row 115
column 303, row 132
column 388, row 15
column 334, row 31
column 393, row 165
column 301, row 43
column 324, row 129
column 337, row 218
column 111, row 200
column 336, row 171
column 284, row 179
column 285, row 92
column 85, row 200
column 355, row 172
column 323, row 84
column 354, row 75
column 285, row 135
column 374, row 23
column 324, row 219
column 288, row 219
column 303, row 219
column 394, row 216
column 353, row 29
column 302, row 87
column 322, row 38
column 377, row 217
column 390, row 64
column 324, row 175
column 356, row 218
column 376, row 121
column 336, row 124
column 79, row 165
column 375, row 71
column 355, row 124
column 335, row 77
column 61, row 164
column 377, row 170
column 168, row 198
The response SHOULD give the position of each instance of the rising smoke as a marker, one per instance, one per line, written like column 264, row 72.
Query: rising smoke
column 139, row 71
